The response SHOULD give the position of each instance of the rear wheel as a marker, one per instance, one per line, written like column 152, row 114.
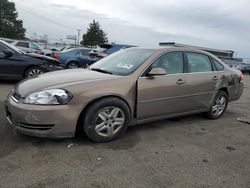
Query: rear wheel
column 106, row 120
column 219, row 105
column 73, row 65
column 33, row 71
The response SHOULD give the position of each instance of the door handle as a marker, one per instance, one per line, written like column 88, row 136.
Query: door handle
column 180, row 82
column 215, row 78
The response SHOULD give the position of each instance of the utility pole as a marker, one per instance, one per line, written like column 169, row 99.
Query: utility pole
column 46, row 40
column 35, row 36
column 78, row 38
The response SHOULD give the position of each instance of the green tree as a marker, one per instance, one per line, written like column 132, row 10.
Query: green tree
column 10, row 25
column 94, row 35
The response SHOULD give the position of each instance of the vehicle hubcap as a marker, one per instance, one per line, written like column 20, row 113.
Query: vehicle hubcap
column 109, row 121
column 219, row 106
column 34, row 72
column 73, row 66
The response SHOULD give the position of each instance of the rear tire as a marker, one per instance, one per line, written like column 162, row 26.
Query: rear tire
column 72, row 65
column 106, row 120
column 33, row 71
column 219, row 105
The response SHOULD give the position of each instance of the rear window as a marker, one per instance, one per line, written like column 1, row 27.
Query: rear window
column 198, row 62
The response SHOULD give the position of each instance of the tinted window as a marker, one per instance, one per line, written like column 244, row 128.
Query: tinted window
column 22, row 44
column 219, row 67
column 172, row 62
column 85, row 52
column 198, row 62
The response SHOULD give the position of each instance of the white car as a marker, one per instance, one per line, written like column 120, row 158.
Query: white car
column 31, row 47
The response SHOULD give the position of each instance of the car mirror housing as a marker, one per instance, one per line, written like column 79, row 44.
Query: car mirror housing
column 8, row 53
column 157, row 72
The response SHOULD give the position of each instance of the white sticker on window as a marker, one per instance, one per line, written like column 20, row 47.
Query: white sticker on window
column 124, row 65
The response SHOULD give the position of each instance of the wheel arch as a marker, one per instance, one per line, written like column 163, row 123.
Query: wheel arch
column 28, row 67
column 90, row 103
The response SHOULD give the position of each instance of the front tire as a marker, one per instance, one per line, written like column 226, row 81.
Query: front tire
column 33, row 71
column 219, row 105
column 106, row 120
column 73, row 65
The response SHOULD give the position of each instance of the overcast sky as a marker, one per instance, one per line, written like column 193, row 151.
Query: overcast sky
column 219, row 24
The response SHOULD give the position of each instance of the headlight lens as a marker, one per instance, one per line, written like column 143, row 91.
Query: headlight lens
column 49, row 97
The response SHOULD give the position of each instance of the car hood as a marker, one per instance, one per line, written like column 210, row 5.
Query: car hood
column 60, row 79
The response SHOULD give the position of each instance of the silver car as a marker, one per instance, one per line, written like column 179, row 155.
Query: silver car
column 132, row 86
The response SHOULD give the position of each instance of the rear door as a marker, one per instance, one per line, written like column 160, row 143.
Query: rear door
column 164, row 95
column 203, row 79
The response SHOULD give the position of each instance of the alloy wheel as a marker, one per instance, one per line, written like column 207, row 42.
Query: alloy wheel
column 35, row 72
column 219, row 106
column 109, row 121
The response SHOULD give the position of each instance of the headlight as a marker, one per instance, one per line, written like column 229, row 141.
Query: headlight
column 49, row 97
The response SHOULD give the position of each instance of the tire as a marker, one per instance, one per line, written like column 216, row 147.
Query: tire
column 100, row 125
column 219, row 105
column 73, row 65
column 33, row 71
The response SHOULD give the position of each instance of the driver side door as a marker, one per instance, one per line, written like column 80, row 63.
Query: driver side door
column 164, row 95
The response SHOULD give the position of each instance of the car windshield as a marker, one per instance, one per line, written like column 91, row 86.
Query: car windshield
column 13, row 47
column 123, row 62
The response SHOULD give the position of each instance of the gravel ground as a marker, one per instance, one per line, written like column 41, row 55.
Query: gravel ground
column 185, row 152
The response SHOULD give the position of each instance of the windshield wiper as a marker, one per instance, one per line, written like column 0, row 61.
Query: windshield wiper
column 101, row 70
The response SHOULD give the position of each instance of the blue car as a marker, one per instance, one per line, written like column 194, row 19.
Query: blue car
column 105, row 50
column 74, row 58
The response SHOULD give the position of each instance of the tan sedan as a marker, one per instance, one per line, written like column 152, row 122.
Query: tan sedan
column 130, row 87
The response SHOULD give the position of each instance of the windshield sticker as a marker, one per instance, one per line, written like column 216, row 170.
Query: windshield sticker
column 124, row 65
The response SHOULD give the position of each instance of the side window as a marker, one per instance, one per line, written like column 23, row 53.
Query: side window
column 219, row 67
column 34, row 46
column 23, row 44
column 198, row 62
column 84, row 52
column 172, row 62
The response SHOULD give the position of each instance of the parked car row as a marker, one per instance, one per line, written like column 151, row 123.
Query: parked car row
column 244, row 68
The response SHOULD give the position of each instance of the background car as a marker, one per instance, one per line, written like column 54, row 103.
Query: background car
column 244, row 68
column 31, row 47
column 74, row 58
column 105, row 50
column 16, row 64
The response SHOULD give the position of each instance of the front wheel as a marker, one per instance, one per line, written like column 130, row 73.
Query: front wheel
column 219, row 105
column 33, row 71
column 106, row 120
column 72, row 65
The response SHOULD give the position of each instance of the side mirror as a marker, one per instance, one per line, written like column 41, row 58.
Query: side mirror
column 157, row 72
column 8, row 53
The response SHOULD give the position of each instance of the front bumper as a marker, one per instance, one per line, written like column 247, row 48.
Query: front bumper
column 42, row 121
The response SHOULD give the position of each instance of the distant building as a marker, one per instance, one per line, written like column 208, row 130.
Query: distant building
column 224, row 55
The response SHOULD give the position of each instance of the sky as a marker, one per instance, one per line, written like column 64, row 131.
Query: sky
column 221, row 24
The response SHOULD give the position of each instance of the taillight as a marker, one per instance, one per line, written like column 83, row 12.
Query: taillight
column 241, row 77
column 55, row 55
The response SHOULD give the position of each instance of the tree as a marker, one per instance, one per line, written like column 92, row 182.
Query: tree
column 94, row 35
column 10, row 25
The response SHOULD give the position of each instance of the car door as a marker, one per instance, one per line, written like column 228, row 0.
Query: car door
column 167, row 94
column 83, row 56
column 203, row 79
